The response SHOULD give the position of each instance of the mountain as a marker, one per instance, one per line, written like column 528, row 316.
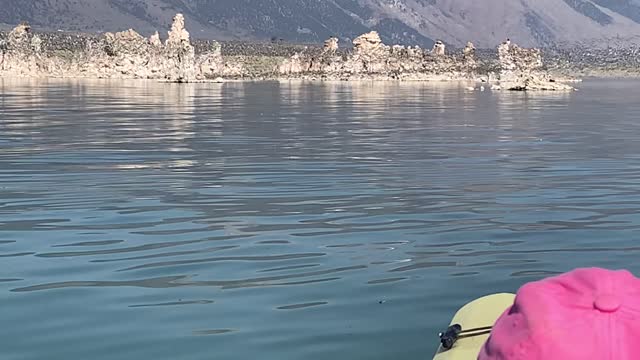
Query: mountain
column 411, row 22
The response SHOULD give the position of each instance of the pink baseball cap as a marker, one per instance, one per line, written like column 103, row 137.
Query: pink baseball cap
column 583, row 314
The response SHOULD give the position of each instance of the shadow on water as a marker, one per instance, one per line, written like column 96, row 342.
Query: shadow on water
column 295, row 219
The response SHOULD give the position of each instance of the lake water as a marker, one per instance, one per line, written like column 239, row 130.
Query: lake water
column 277, row 221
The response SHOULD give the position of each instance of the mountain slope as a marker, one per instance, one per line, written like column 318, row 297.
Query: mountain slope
column 486, row 22
column 145, row 16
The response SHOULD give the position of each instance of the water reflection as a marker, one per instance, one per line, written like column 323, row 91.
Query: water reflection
column 272, row 214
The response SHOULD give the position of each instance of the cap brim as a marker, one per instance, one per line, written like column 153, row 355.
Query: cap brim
column 479, row 313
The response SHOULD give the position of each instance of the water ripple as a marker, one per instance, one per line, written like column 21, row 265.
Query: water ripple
column 213, row 332
column 174, row 303
column 279, row 217
column 302, row 306
column 223, row 258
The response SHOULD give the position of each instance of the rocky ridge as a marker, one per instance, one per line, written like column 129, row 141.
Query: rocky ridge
column 407, row 22
column 128, row 54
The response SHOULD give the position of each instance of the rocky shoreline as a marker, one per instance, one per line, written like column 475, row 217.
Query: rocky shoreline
column 128, row 55
column 612, row 62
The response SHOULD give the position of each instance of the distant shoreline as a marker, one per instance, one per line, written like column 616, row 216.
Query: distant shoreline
column 128, row 55
column 576, row 61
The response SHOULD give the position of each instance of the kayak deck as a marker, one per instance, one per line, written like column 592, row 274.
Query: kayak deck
column 479, row 313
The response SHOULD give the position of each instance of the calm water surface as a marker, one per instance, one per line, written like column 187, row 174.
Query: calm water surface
column 295, row 220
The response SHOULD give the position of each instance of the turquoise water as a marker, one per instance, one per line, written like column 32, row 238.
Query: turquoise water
column 295, row 220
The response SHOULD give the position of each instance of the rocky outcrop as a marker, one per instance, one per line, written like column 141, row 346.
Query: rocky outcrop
column 331, row 44
column 179, row 54
column 514, row 58
column 438, row 48
column 469, row 52
column 521, row 69
column 209, row 64
column 124, row 53
column 372, row 59
column 294, row 65
column 21, row 53
column 517, row 68
column 128, row 54
column 19, row 36
column 155, row 41
column 367, row 43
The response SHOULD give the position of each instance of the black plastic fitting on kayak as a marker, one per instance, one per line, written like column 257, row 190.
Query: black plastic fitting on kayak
column 455, row 332
column 450, row 336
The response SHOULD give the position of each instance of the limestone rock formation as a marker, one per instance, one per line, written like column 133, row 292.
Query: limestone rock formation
column 21, row 55
column 367, row 42
column 469, row 58
column 125, row 43
column 19, row 36
column 438, row 48
column 521, row 69
column 210, row 64
column 178, row 33
column 125, row 54
column 179, row 53
column 369, row 53
column 36, row 44
column 372, row 59
column 129, row 55
column 514, row 58
column 469, row 52
column 293, row 65
column 155, row 41
column 331, row 44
